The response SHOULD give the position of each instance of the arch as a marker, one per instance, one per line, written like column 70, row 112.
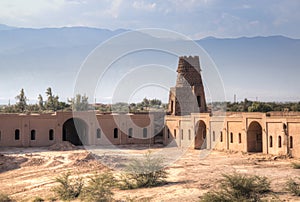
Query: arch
column 200, row 137
column 254, row 137
column 75, row 131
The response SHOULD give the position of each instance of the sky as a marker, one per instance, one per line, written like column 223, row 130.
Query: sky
column 194, row 18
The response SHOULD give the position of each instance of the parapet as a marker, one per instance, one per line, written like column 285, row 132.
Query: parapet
column 190, row 61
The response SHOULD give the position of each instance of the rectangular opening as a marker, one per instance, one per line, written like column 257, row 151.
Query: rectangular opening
column 17, row 134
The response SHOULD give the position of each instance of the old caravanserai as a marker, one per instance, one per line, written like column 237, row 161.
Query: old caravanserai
column 187, row 124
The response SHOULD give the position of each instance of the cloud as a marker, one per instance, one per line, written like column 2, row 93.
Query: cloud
column 114, row 8
column 141, row 5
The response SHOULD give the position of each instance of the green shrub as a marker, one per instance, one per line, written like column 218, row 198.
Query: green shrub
column 237, row 187
column 148, row 172
column 5, row 198
column 296, row 165
column 99, row 188
column 293, row 187
column 68, row 189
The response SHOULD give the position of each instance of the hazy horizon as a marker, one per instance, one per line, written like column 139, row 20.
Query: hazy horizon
column 255, row 45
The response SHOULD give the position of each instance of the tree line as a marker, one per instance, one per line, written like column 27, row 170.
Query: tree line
column 78, row 103
column 255, row 106
column 50, row 104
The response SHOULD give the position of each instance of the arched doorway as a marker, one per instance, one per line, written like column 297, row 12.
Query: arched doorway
column 200, row 138
column 75, row 131
column 254, row 137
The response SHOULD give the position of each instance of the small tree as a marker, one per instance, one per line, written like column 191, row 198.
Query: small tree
column 21, row 101
column 99, row 188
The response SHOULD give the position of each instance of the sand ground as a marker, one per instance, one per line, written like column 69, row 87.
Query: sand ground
column 29, row 172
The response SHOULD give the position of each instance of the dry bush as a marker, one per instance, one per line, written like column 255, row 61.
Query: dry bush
column 99, row 188
column 293, row 187
column 38, row 199
column 237, row 187
column 68, row 189
column 148, row 172
column 5, row 198
column 296, row 165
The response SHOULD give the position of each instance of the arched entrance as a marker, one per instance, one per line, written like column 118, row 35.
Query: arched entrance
column 254, row 137
column 200, row 138
column 75, row 131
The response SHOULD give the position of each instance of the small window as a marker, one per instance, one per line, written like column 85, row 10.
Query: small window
column 172, row 106
column 189, row 134
column 182, row 134
column 168, row 133
column 279, row 141
column 51, row 134
column 271, row 141
column 175, row 133
column 32, row 135
column 231, row 137
column 214, row 136
column 221, row 136
column 240, row 138
column 17, row 134
column 291, row 142
column 98, row 132
column 130, row 132
column 116, row 133
column 145, row 132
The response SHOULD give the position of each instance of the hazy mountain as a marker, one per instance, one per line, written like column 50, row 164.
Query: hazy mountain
column 263, row 67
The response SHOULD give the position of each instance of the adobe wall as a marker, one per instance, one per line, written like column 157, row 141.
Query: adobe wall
column 42, row 125
column 272, row 133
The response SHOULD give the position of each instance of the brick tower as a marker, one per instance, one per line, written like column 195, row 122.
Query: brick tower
column 188, row 95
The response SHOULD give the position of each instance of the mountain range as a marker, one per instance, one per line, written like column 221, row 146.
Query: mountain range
column 263, row 68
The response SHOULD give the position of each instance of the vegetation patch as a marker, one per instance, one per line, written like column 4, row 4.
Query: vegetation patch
column 293, row 187
column 296, row 165
column 146, row 172
column 68, row 189
column 5, row 198
column 99, row 188
column 237, row 187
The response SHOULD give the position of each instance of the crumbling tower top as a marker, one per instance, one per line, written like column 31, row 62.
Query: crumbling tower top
column 188, row 95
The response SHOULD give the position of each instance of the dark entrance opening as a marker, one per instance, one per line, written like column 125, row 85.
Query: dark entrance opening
column 200, row 138
column 75, row 131
column 254, row 137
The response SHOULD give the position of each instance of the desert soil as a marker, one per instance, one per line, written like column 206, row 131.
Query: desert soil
column 29, row 172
